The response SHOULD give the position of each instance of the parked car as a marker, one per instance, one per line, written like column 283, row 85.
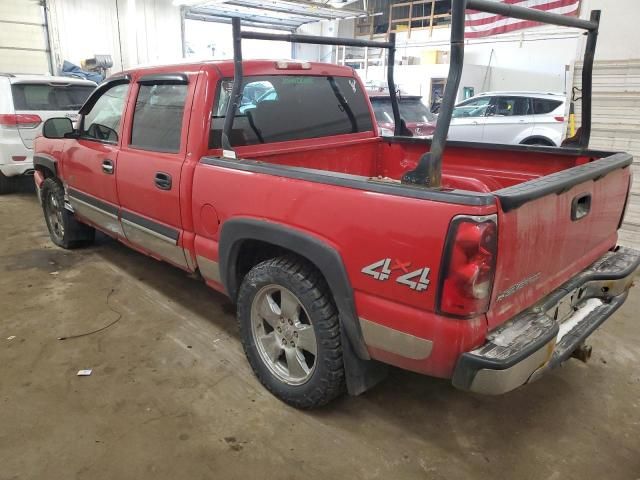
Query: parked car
column 268, row 95
column 26, row 101
column 417, row 116
column 526, row 118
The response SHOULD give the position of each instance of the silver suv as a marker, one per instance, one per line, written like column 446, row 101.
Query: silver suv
column 528, row 118
column 26, row 101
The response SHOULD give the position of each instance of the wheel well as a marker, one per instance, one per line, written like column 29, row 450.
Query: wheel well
column 252, row 252
column 538, row 141
column 46, row 172
column 46, row 164
column 240, row 249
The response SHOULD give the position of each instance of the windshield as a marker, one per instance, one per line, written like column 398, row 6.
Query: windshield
column 44, row 96
column 412, row 110
column 277, row 108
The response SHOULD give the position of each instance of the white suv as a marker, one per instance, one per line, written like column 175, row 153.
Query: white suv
column 26, row 101
column 528, row 118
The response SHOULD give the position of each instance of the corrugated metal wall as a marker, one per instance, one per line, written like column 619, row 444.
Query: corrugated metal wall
column 23, row 38
column 616, row 125
column 133, row 32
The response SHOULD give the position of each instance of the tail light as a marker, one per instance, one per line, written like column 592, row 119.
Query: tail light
column 468, row 266
column 19, row 120
column 559, row 119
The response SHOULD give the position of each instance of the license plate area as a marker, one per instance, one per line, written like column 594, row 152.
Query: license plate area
column 566, row 305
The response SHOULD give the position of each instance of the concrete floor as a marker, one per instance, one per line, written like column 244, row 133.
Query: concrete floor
column 172, row 397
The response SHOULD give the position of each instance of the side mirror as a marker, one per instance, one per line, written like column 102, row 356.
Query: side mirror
column 57, row 128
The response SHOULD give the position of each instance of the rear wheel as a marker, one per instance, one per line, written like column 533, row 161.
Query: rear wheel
column 291, row 333
column 541, row 142
column 64, row 230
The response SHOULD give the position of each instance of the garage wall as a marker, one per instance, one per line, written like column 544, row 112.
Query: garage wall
column 23, row 38
column 616, row 125
column 133, row 32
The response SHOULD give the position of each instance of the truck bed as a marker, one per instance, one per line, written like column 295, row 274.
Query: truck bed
column 531, row 191
column 474, row 167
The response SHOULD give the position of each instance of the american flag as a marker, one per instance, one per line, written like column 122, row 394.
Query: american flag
column 481, row 24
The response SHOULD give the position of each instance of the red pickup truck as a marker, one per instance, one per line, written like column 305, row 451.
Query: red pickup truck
column 340, row 253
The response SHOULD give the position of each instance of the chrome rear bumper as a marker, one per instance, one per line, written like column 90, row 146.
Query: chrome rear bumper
column 534, row 341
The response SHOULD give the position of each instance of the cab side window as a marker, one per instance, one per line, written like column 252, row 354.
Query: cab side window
column 103, row 121
column 157, row 118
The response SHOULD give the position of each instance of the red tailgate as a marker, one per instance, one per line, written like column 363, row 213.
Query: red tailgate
column 540, row 245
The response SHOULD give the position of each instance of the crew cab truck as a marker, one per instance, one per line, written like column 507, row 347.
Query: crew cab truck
column 345, row 251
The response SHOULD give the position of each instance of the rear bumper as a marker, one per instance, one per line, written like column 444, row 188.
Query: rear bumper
column 533, row 342
column 10, row 148
column 16, row 169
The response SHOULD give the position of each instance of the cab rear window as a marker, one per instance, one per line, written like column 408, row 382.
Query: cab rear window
column 279, row 108
column 44, row 96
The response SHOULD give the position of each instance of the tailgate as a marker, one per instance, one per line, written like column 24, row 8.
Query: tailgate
column 551, row 228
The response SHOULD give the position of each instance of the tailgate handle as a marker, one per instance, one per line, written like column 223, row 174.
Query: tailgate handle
column 580, row 206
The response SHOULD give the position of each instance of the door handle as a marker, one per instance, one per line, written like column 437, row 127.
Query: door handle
column 107, row 167
column 474, row 122
column 163, row 181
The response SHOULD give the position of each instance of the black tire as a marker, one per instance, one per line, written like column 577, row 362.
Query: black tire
column 6, row 185
column 540, row 142
column 64, row 230
column 296, row 276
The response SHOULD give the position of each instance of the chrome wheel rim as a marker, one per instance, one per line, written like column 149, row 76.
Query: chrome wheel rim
column 54, row 216
column 283, row 334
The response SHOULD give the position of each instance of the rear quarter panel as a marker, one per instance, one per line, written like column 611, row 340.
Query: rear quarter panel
column 363, row 227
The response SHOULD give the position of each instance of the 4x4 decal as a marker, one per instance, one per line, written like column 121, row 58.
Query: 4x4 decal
column 382, row 270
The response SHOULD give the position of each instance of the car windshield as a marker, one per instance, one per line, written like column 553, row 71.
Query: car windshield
column 47, row 96
column 412, row 110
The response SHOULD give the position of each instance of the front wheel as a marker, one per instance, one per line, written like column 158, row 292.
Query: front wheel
column 291, row 333
column 64, row 230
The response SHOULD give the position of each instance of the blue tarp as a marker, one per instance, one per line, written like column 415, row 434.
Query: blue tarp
column 70, row 70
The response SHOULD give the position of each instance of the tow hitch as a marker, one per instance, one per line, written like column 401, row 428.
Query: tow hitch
column 582, row 353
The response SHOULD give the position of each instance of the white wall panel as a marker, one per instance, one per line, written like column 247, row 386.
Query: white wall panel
column 133, row 32
column 616, row 125
column 81, row 29
column 23, row 43
column 616, row 94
